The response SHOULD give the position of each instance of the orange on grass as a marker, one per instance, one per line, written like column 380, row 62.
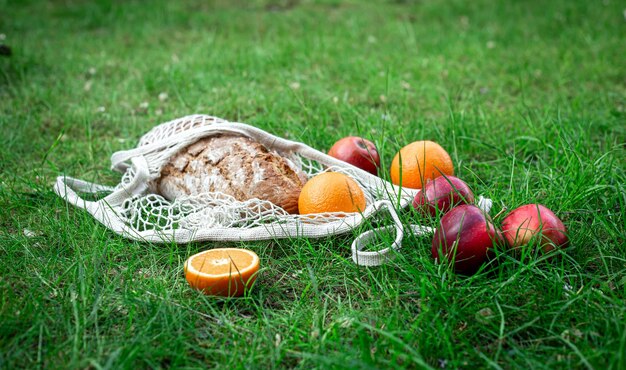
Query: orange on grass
column 331, row 192
column 418, row 162
column 222, row 271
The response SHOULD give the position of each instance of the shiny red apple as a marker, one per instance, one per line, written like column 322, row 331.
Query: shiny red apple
column 534, row 220
column 443, row 193
column 465, row 237
column 357, row 151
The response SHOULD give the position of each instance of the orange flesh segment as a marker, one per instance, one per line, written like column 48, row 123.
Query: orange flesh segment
column 222, row 262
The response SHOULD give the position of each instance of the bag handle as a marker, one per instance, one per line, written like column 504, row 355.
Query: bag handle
column 377, row 258
column 67, row 188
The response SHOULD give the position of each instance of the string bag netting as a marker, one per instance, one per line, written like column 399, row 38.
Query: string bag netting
column 134, row 210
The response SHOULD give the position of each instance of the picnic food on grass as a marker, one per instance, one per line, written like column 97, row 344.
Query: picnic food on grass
column 236, row 166
column 357, row 151
column 418, row 162
column 529, row 221
column 222, row 271
column 441, row 195
column 464, row 238
column 331, row 192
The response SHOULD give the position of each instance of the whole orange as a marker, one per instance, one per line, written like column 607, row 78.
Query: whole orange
column 331, row 192
column 418, row 162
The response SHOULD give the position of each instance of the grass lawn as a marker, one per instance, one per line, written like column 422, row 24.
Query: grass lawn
column 529, row 98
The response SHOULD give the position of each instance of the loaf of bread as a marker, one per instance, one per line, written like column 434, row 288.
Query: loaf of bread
column 233, row 165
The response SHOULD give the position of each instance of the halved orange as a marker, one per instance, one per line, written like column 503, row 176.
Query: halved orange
column 222, row 271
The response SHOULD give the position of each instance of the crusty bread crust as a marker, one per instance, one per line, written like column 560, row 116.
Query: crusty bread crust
column 233, row 165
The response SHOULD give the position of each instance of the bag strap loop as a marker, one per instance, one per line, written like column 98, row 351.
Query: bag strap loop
column 68, row 188
column 377, row 258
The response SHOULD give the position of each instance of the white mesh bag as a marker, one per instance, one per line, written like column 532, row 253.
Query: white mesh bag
column 133, row 211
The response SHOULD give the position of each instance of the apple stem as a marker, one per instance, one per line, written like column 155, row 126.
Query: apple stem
column 504, row 209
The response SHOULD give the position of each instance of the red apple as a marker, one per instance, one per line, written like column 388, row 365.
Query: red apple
column 358, row 152
column 465, row 237
column 530, row 220
column 443, row 193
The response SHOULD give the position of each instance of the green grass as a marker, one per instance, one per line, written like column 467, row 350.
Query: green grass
column 529, row 98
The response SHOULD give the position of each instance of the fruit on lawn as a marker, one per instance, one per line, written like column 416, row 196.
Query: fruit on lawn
column 357, row 151
column 532, row 220
column 331, row 192
column 442, row 193
column 222, row 271
column 465, row 237
column 418, row 162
